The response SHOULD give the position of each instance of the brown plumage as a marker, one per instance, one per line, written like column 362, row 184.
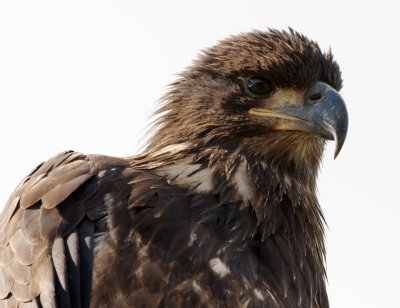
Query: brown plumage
column 220, row 209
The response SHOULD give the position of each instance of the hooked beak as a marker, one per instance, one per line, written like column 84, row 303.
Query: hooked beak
column 323, row 113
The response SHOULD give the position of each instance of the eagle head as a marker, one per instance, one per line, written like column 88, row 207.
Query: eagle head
column 270, row 94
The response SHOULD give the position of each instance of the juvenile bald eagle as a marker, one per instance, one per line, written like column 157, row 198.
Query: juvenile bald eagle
column 220, row 209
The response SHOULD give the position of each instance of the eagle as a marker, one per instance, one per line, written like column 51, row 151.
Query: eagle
column 219, row 209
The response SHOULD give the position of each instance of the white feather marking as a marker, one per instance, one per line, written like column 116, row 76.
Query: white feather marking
column 272, row 296
column 204, row 177
column 243, row 183
column 173, row 148
column 219, row 267
column 180, row 170
column 258, row 294
column 101, row 173
column 196, row 286
column 138, row 240
column 187, row 174
column 108, row 200
column 143, row 252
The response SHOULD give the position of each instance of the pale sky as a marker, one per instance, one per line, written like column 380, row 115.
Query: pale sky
column 85, row 75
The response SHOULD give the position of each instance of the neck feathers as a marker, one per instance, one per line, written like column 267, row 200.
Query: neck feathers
column 280, row 194
column 280, row 212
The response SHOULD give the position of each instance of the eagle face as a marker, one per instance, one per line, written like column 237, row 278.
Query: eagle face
column 273, row 93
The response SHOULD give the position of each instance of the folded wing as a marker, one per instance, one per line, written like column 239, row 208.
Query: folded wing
column 49, row 227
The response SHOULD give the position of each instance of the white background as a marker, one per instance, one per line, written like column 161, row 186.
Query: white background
column 85, row 75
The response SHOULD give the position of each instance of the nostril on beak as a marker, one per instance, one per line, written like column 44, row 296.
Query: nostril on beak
column 315, row 93
column 315, row 97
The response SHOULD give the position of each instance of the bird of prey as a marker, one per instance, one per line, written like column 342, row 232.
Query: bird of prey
column 218, row 210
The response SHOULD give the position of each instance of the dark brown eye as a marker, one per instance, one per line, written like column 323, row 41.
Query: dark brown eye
column 259, row 86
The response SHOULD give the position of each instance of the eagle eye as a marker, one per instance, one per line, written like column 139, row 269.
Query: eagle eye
column 259, row 86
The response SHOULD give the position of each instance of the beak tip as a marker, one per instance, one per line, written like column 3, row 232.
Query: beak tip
column 339, row 140
column 336, row 153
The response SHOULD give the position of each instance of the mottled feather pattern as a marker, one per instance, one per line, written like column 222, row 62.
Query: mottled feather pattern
column 181, row 245
column 219, row 210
